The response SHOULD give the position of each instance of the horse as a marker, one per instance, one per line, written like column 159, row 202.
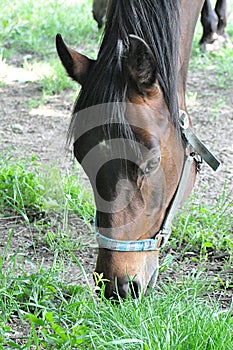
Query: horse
column 99, row 8
column 213, row 21
column 133, row 136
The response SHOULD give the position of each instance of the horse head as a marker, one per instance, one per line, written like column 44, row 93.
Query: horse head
column 128, row 139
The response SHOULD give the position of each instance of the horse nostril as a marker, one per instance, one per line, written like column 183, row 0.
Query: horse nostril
column 135, row 289
column 127, row 287
column 122, row 288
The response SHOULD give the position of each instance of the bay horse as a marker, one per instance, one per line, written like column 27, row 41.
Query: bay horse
column 133, row 136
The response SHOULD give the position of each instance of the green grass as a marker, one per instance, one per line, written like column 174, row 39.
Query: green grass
column 28, row 30
column 204, row 229
column 56, row 316
column 28, row 189
column 168, row 320
column 30, row 27
column 20, row 188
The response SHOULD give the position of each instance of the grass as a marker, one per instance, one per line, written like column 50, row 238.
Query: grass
column 28, row 30
column 204, row 228
column 30, row 27
column 28, row 189
column 60, row 315
column 56, row 316
column 169, row 319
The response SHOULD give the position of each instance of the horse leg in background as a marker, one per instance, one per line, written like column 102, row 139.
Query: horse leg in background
column 209, row 21
column 221, row 11
column 214, row 24
column 99, row 9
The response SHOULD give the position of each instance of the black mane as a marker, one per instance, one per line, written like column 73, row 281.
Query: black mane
column 157, row 23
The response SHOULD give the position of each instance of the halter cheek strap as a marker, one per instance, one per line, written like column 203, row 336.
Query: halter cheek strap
column 161, row 238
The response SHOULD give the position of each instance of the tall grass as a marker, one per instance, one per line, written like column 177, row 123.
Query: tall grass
column 56, row 316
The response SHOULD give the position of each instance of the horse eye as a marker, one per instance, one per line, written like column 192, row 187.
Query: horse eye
column 151, row 165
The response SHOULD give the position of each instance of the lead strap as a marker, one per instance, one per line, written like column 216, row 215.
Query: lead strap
column 194, row 141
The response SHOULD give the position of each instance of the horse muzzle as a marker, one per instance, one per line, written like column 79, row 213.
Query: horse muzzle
column 122, row 274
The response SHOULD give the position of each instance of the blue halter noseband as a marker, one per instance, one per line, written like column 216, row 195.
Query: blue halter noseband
column 161, row 238
column 144, row 245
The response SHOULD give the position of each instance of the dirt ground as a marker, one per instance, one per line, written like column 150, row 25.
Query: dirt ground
column 42, row 131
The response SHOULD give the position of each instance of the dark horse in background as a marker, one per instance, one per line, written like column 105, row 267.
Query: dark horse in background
column 133, row 136
column 214, row 21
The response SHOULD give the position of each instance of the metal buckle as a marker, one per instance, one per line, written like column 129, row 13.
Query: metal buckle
column 162, row 237
column 183, row 119
column 198, row 159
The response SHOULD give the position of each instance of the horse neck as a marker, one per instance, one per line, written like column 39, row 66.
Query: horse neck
column 189, row 13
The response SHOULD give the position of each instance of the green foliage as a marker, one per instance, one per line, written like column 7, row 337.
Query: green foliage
column 30, row 190
column 79, row 197
column 43, row 305
column 20, row 187
column 30, row 26
column 204, row 228
column 174, row 318
column 55, row 316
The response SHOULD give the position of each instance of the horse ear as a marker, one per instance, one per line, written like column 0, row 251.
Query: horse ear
column 141, row 64
column 76, row 65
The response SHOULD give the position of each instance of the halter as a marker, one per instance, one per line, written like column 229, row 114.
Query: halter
column 155, row 244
